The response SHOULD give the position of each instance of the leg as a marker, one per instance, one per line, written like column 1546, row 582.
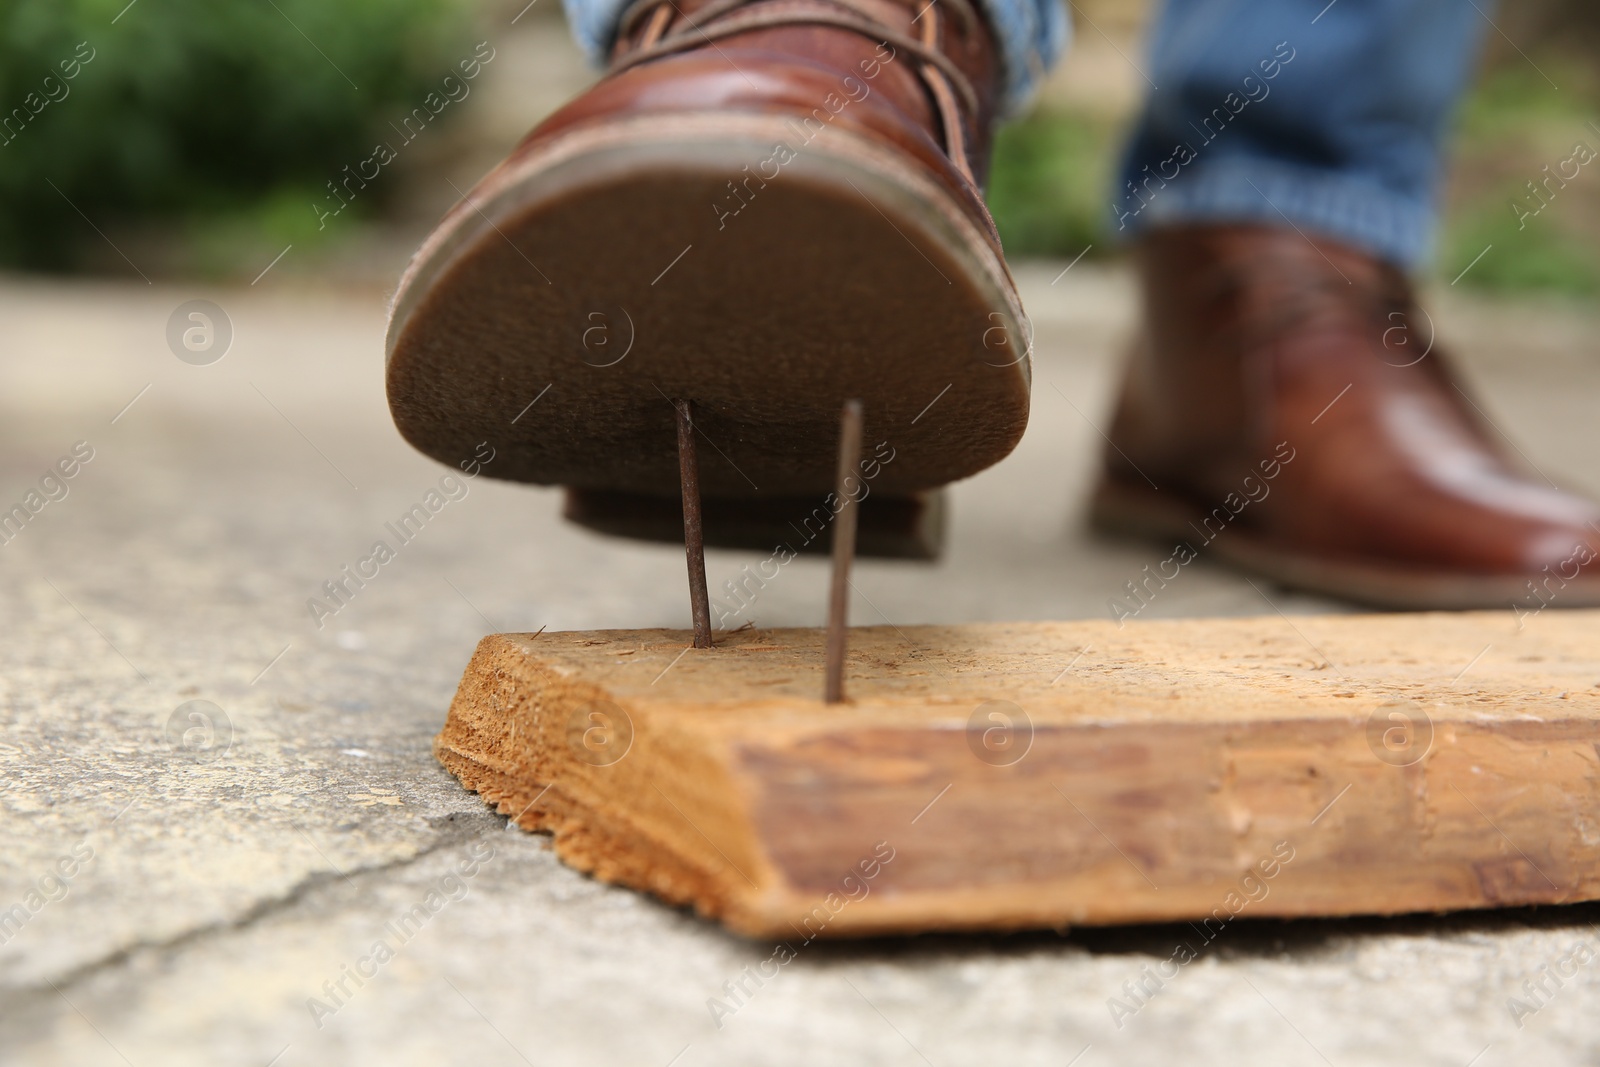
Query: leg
column 1262, row 114
column 1287, row 396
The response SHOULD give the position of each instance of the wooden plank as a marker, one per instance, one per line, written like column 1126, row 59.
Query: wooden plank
column 1191, row 770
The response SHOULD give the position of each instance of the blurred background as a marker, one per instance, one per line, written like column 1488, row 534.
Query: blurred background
column 199, row 140
column 154, row 152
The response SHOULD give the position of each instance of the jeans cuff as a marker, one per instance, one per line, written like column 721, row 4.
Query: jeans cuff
column 594, row 25
column 1030, row 37
column 1345, row 207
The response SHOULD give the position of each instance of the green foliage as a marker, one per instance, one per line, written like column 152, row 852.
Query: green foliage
column 1513, row 125
column 188, row 108
column 1047, row 189
column 1516, row 97
column 1542, row 256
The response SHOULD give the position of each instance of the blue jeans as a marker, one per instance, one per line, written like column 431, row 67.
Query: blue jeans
column 1325, row 117
column 1328, row 118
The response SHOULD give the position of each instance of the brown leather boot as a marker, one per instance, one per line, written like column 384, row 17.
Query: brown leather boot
column 1286, row 411
column 765, row 207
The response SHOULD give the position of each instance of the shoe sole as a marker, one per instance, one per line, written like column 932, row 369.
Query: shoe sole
column 1123, row 511
column 888, row 527
column 592, row 282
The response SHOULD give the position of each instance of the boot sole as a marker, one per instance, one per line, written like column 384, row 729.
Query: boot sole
column 592, row 281
column 888, row 527
column 1125, row 511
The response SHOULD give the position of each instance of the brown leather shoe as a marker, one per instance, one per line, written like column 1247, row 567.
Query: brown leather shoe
column 1286, row 412
column 766, row 207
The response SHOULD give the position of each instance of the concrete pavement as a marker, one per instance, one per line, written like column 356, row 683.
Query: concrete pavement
column 213, row 810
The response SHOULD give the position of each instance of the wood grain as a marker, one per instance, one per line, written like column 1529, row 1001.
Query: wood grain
column 1195, row 770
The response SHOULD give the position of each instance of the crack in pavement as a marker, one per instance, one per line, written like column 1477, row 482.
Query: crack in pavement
column 25, row 1002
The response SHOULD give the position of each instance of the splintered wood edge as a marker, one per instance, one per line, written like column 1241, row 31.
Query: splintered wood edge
column 684, row 819
column 506, row 739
